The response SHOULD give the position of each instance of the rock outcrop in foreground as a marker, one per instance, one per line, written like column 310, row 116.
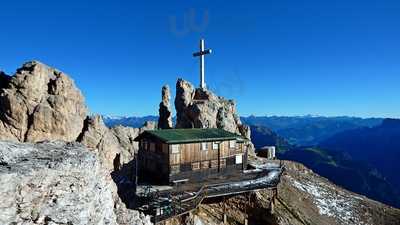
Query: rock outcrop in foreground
column 57, row 183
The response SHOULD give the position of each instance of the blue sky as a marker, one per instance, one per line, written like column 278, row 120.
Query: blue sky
column 273, row 57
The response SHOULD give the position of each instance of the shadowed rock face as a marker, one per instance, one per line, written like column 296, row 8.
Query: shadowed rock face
column 40, row 103
column 4, row 80
column 115, row 146
column 165, row 114
column 200, row 108
column 99, row 138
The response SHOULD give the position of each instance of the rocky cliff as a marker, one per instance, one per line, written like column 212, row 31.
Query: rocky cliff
column 40, row 103
column 201, row 108
column 57, row 183
column 304, row 198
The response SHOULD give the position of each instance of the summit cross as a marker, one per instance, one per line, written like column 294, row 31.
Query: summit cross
column 201, row 54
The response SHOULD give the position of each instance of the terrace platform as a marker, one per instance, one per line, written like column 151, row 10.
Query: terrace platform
column 164, row 202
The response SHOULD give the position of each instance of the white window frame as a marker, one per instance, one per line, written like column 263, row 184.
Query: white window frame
column 215, row 145
column 204, row 146
column 239, row 159
column 232, row 144
column 175, row 149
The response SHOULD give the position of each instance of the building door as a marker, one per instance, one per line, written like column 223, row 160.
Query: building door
column 175, row 159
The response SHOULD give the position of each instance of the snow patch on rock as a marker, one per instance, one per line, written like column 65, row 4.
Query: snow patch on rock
column 332, row 203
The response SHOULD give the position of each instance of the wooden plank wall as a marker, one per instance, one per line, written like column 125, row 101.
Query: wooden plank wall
column 192, row 152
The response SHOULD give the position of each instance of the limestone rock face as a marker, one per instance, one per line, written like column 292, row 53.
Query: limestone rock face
column 40, row 103
column 200, row 108
column 115, row 146
column 183, row 100
column 58, row 183
column 53, row 183
column 97, row 137
column 165, row 114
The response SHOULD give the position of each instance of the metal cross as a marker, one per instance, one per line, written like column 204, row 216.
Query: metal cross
column 201, row 53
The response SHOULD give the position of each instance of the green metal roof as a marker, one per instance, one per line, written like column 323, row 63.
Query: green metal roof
column 176, row 136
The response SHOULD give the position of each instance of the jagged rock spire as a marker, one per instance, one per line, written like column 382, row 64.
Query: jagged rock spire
column 201, row 108
column 165, row 115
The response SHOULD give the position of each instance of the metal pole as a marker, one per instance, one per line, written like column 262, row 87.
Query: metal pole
column 225, row 216
column 202, row 83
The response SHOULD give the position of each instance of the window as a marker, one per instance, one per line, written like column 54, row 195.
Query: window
column 232, row 144
column 175, row 149
column 239, row 159
column 215, row 145
column 196, row 166
column 144, row 145
column 204, row 146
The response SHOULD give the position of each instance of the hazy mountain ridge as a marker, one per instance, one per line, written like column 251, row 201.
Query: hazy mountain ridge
column 310, row 130
column 340, row 167
column 129, row 121
column 380, row 146
column 263, row 136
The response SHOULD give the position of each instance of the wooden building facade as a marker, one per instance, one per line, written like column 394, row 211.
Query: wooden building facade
column 189, row 154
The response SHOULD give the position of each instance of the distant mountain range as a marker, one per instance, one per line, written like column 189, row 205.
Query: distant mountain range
column 363, row 160
column 297, row 130
column 263, row 136
column 379, row 146
column 309, row 130
column 129, row 121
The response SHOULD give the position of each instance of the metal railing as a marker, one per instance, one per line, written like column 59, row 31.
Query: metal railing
column 188, row 201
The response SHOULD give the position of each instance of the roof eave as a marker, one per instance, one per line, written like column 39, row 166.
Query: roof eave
column 206, row 140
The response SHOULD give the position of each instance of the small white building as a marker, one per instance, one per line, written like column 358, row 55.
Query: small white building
column 270, row 151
